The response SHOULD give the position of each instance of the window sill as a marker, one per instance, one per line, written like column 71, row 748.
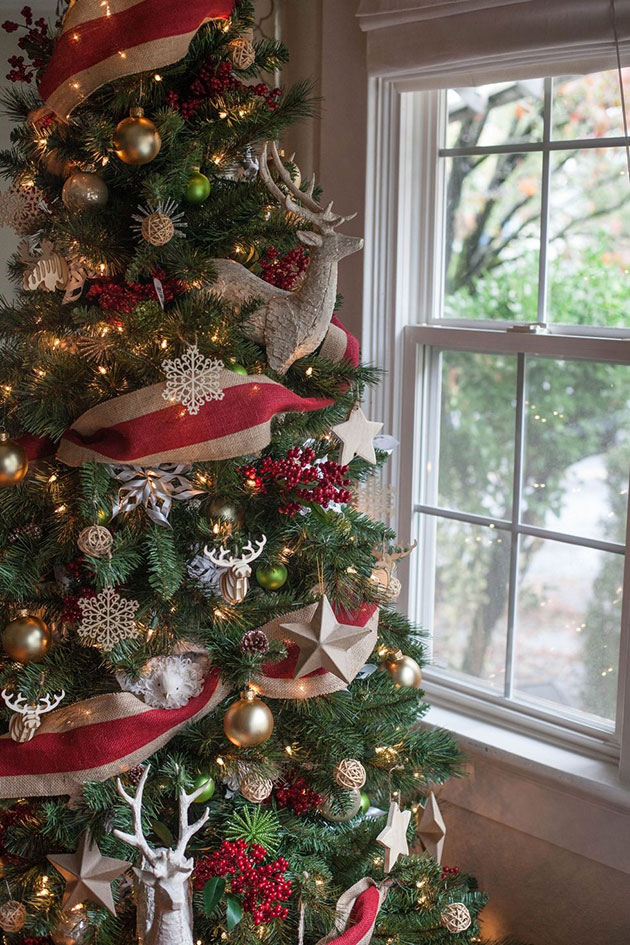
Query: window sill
column 564, row 768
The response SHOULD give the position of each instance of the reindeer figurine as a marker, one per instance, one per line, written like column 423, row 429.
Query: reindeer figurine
column 234, row 582
column 383, row 574
column 164, row 891
column 27, row 718
column 292, row 325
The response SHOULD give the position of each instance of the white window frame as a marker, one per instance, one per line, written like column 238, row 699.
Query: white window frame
column 402, row 294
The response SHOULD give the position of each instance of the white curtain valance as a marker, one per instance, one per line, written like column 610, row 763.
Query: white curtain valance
column 469, row 42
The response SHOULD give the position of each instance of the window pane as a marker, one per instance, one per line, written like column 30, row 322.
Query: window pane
column 492, row 236
column 589, row 238
column 477, row 433
column 500, row 113
column 470, row 615
column 577, row 447
column 588, row 106
column 568, row 619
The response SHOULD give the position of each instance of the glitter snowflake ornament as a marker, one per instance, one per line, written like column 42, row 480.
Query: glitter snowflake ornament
column 22, row 209
column 193, row 380
column 107, row 619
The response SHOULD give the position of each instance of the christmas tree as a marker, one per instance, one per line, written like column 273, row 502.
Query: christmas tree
column 203, row 672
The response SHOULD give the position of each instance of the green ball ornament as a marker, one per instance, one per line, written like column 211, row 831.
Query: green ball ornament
column 197, row 188
column 206, row 795
column 238, row 369
column 273, row 577
column 366, row 803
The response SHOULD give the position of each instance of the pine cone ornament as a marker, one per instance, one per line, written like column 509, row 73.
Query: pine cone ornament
column 254, row 641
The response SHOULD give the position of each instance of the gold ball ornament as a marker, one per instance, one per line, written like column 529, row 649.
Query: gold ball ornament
column 231, row 512
column 12, row 916
column 157, row 229
column 13, row 462
column 404, row 670
column 136, row 139
column 329, row 811
column 248, row 721
column 350, row 774
column 96, row 541
column 455, row 917
column 26, row 639
column 73, row 928
column 84, row 191
column 256, row 789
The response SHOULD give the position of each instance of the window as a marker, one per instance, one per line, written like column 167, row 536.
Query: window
column 512, row 300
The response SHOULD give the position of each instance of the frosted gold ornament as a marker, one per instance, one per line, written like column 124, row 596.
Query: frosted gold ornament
column 13, row 462
column 456, row 918
column 256, row 789
column 27, row 638
column 136, row 139
column 84, row 191
column 241, row 50
column 248, row 721
column 350, row 774
column 329, row 810
column 73, row 928
column 403, row 670
column 96, row 541
column 12, row 916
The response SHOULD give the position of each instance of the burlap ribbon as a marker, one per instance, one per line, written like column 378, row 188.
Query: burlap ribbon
column 356, row 913
column 278, row 679
column 103, row 40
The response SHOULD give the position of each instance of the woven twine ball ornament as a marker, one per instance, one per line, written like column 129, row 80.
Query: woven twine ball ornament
column 256, row 789
column 254, row 641
column 158, row 229
column 12, row 916
column 349, row 774
column 96, row 541
column 456, row 917
column 242, row 52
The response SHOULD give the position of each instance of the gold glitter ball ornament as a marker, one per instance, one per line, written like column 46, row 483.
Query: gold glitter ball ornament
column 455, row 917
column 136, row 139
column 96, row 541
column 158, row 229
column 13, row 462
column 248, row 721
column 12, row 916
column 256, row 789
column 404, row 670
column 84, row 191
column 350, row 774
column 26, row 639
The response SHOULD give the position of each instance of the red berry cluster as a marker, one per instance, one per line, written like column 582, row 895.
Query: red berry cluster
column 262, row 885
column 450, row 872
column 214, row 80
column 36, row 941
column 35, row 42
column 299, row 479
column 284, row 271
column 71, row 611
column 296, row 794
column 122, row 298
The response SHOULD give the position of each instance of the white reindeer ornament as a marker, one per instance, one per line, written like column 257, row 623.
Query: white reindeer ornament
column 164, row 890
column 27, row 718
column 292, row 325
column 234, row 582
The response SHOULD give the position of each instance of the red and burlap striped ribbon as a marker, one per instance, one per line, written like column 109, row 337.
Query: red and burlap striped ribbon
column 103, row 40
column 139, row 429
column 357, row 910
column 101, row 737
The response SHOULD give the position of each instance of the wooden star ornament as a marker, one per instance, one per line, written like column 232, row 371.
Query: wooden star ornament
column 357, row 437
column 324, row 642
column 394, row 836
column 88, row 875
column 431, row 828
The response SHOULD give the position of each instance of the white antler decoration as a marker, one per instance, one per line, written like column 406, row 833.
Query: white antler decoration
column 234, row 582
column 292, row 324
column 164, row 892
column 27, row 718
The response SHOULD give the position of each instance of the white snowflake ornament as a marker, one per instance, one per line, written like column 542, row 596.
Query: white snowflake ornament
column 193, row 379
column 107, row 619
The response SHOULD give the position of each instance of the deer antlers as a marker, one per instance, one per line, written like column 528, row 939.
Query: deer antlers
column 20, row 704
column 186, row 830
column 388, row 559
column 307, row 208
column 247, row 555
